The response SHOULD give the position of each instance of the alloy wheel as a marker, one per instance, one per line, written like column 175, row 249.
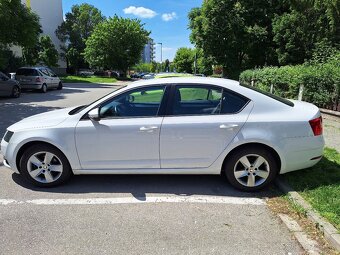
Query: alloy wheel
column 44, row 167
column 251, row 170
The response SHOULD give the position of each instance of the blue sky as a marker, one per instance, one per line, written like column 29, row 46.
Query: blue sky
column 166, row 19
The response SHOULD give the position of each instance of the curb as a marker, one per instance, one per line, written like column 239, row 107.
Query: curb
column 330, row 233
column 330, row 112
column 309, row 245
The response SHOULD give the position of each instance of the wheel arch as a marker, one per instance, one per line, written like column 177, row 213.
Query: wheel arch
column 25, row 146
column 255, row 144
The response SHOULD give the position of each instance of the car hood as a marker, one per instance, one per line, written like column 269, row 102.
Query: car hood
column 43, row 120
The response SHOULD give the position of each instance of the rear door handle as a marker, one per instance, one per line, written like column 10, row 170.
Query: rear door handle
column 148, row 129
column 228, row 126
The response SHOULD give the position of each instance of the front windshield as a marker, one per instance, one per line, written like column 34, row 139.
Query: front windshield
column 80, row 108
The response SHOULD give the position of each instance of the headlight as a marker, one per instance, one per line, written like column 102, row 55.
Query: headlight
column 8, row 136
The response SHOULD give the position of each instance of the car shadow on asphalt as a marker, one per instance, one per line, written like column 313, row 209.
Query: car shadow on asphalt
column 140, row 185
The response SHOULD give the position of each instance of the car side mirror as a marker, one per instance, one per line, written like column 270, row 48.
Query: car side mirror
column 94, row 114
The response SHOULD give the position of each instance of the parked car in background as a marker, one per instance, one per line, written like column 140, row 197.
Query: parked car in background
column 9, row 87
column 40, row 78
column 170, row 126
column 85, row 72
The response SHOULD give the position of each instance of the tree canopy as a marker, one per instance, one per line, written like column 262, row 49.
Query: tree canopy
column 116, row 43
column 76, row 29
column 184, row 59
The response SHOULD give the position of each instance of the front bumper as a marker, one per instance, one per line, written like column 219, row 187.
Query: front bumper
column 7, row 152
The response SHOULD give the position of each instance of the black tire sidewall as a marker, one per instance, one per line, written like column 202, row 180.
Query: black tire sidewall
column 60, row 86
column 42, row 88
column 231, row 161
column 66, row 174
column 13, row 92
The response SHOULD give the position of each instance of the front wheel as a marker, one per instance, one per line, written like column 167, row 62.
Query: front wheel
column 44, row 166
column 60, row 86
column 43, row 88
column 251, row 169
column 16, row 92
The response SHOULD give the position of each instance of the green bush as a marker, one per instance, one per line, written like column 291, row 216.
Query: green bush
column 321, row 81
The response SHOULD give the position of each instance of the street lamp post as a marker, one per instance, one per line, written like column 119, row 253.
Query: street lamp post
column 161, row 54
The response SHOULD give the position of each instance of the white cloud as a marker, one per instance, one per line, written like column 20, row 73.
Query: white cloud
column 169, row 16
column 140, row 12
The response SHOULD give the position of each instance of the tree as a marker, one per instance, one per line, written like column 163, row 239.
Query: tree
column 167, row 65
column 184, row 59
column 19, row 25
column 236, row 34
column 116, row 43
column 48, row 54
column 44, row 52
column 298, row 32
column 203, row 63
column 76, row 29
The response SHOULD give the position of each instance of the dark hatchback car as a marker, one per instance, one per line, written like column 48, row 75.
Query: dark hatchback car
column 8, row 87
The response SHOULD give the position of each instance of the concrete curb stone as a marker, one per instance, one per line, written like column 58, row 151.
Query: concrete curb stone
column 330, row 233
column 330, row 112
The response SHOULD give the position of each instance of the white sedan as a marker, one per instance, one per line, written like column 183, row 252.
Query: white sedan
column 170, row 126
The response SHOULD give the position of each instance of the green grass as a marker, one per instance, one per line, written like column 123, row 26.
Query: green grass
column 320, row 186
column 89, row 79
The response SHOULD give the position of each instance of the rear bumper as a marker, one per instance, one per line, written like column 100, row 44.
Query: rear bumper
column 302, row 152
column 30, row 86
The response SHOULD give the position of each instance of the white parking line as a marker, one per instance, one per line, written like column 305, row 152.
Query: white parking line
column 133, row 200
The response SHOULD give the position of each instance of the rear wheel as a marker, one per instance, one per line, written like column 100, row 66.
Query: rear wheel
column 44, row 166
column 60, row 86
column 43, row 88
column 16, row 92
column 251, row 169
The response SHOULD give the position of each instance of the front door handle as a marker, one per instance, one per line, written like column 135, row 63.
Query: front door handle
column 228, row 126
column 148, row 129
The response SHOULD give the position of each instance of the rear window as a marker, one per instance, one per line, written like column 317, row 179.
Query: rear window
column 277, row 98
column 27, row 72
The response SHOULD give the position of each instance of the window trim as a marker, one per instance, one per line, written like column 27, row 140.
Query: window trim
column 172, row 95
column 160, row 112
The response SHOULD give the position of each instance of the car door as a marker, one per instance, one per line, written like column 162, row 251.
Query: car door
column 47, row 77
column 54, row 78
column 5, row 88
column 127, row 134
column 201, row 122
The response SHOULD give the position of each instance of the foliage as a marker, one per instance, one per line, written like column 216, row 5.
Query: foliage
column 116, row 43
column 143, row 67
column 76, row 29
column 184, row 59
column 44, row 52
column 308, row 23
column 321, row 81
column 89, row 79
column 204, row 63
column 236, row 34
column 8, row 61
column 320, row 189
column 19, row 25
column 48, row 55
column 167, row 65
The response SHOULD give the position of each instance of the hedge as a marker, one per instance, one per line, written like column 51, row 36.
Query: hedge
column 321, row 82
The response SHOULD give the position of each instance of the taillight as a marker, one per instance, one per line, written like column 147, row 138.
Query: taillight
column 316, row 125
column 38, row 79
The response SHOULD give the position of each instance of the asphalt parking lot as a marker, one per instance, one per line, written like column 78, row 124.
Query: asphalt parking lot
column 129, row 214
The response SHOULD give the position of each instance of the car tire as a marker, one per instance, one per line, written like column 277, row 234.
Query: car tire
column 60, row 86
column 16, row 92
column 43, row 88
column 251, row 168
column 44, row 166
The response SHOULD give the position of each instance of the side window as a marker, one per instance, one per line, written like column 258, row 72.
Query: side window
column 51, row 73
column 232, row 102
column 196, row 100
column 45, row 72
column 141, row 102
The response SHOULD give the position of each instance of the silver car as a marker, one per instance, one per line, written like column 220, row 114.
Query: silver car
column 9, row 87
column 41, row 78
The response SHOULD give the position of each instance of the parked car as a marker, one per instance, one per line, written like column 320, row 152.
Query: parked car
column 85, row 72
column 170, row 126
column 9, row 87
column 41, row 78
